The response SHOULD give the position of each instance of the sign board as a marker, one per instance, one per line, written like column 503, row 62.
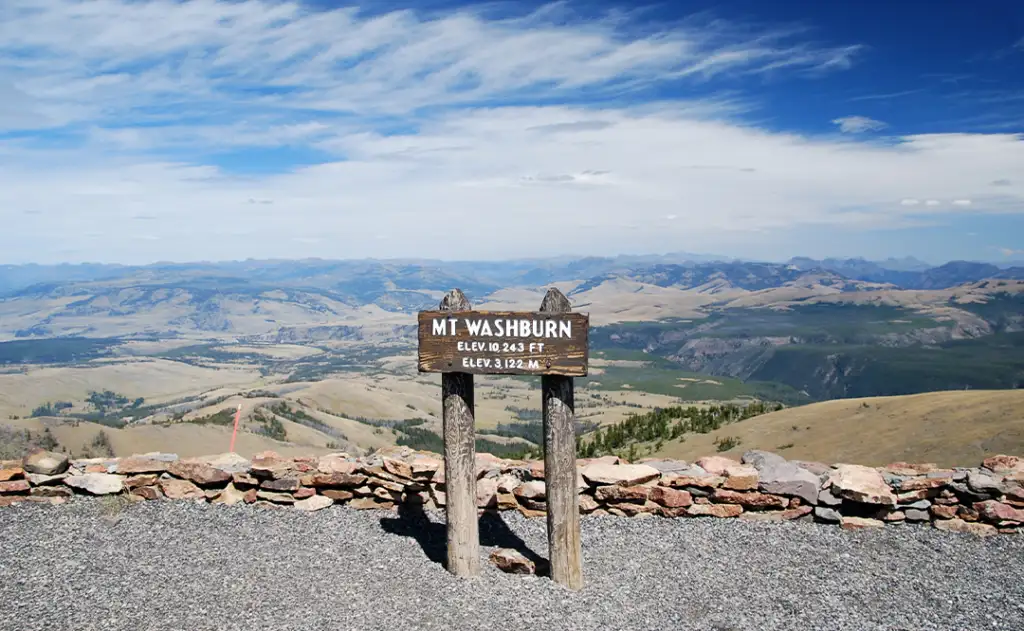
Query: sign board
column 504, row 342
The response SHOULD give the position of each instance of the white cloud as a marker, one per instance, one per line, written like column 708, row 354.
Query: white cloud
column 408, row 134
column 858, row 124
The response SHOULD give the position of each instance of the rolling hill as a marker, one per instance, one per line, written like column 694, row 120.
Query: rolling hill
column 952, row 428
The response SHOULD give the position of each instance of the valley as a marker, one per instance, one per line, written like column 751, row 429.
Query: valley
column 321, row 354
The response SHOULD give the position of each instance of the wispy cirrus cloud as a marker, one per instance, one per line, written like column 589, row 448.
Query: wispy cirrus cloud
column 160, row 61
column 858, row 124
column 257, row 128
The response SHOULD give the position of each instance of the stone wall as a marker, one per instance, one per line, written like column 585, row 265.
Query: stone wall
column 985, row 500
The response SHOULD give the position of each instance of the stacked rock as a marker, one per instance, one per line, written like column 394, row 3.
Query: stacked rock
column 762, row 486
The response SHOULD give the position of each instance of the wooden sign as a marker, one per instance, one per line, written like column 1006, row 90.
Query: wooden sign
column 504, row 342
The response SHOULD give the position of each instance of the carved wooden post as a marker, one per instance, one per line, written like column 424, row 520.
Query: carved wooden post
column 460, row 461
column 560, row 466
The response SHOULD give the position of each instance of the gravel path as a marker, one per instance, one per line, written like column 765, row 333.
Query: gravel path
column 165, row 565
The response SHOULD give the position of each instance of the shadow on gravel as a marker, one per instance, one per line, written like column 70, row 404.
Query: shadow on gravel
column 433, row 536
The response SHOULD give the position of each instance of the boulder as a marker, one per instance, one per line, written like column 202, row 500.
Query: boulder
column 587, row 504
column 632, row 509
column 967, row 513
column 281, row 484
column 229, row 462
column 268, row 464
column 943, row 511
column 487, row 493
column 739, row 477
column 230, row 496
column 622, row 493
column 823, row 513
column 966, row 527
column 512, row 561
column 244, row 479
column 983, row 483
column 344, row 480
column 508, row 483
column 604, row 474
column 918, row 505
column 780, row 477
column 398, row 468
column 336, row 463
column 749, row 500
column 423, row 466
column 10, row 473
column 922, row 484
column 706, row 481
column 338, row 495
column 861, row 484
column 370, row 503
column 198, row 473
column 666, row 467
column 141, row 464
column 45, row 462
column 14, row 486
column 859, row 523
column 714, row 510
column 529, row 513
column 315, row 503
column 994, row 511
column 51, row 491
column 532, row 490
column 175, row 489
column 276, row 498
column 916, row 514
column 96, row 483
column 827, row 498
column 387, row 495
column 38, row 479
column 915, row 496
column 1013, row 486
column 669, row 497
column 778, row 515
column 1003, row 465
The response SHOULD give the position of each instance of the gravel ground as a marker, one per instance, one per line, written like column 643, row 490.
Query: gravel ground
column 179, row 565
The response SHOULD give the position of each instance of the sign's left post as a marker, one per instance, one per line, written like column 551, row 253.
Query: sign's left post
column 460, row 460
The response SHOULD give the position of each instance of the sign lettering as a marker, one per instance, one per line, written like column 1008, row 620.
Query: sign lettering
column 504, row 343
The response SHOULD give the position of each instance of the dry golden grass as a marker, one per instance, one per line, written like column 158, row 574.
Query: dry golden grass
column 184, row 439
column 954, row 428
column 156, row 380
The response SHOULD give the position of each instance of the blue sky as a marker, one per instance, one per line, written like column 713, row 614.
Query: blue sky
column 135, row 131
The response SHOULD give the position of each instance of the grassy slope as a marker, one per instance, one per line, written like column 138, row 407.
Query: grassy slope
column 955, row 428
column 185, row 439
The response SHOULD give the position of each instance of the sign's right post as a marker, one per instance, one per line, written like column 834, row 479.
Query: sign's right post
column 560, row 466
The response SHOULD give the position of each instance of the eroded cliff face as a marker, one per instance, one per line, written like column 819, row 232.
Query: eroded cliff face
column 848, row 354
column 740, row 358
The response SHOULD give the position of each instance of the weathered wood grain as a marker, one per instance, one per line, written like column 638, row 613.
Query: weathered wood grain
column 459, row 460
column 539, row 343
column 560, row 467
